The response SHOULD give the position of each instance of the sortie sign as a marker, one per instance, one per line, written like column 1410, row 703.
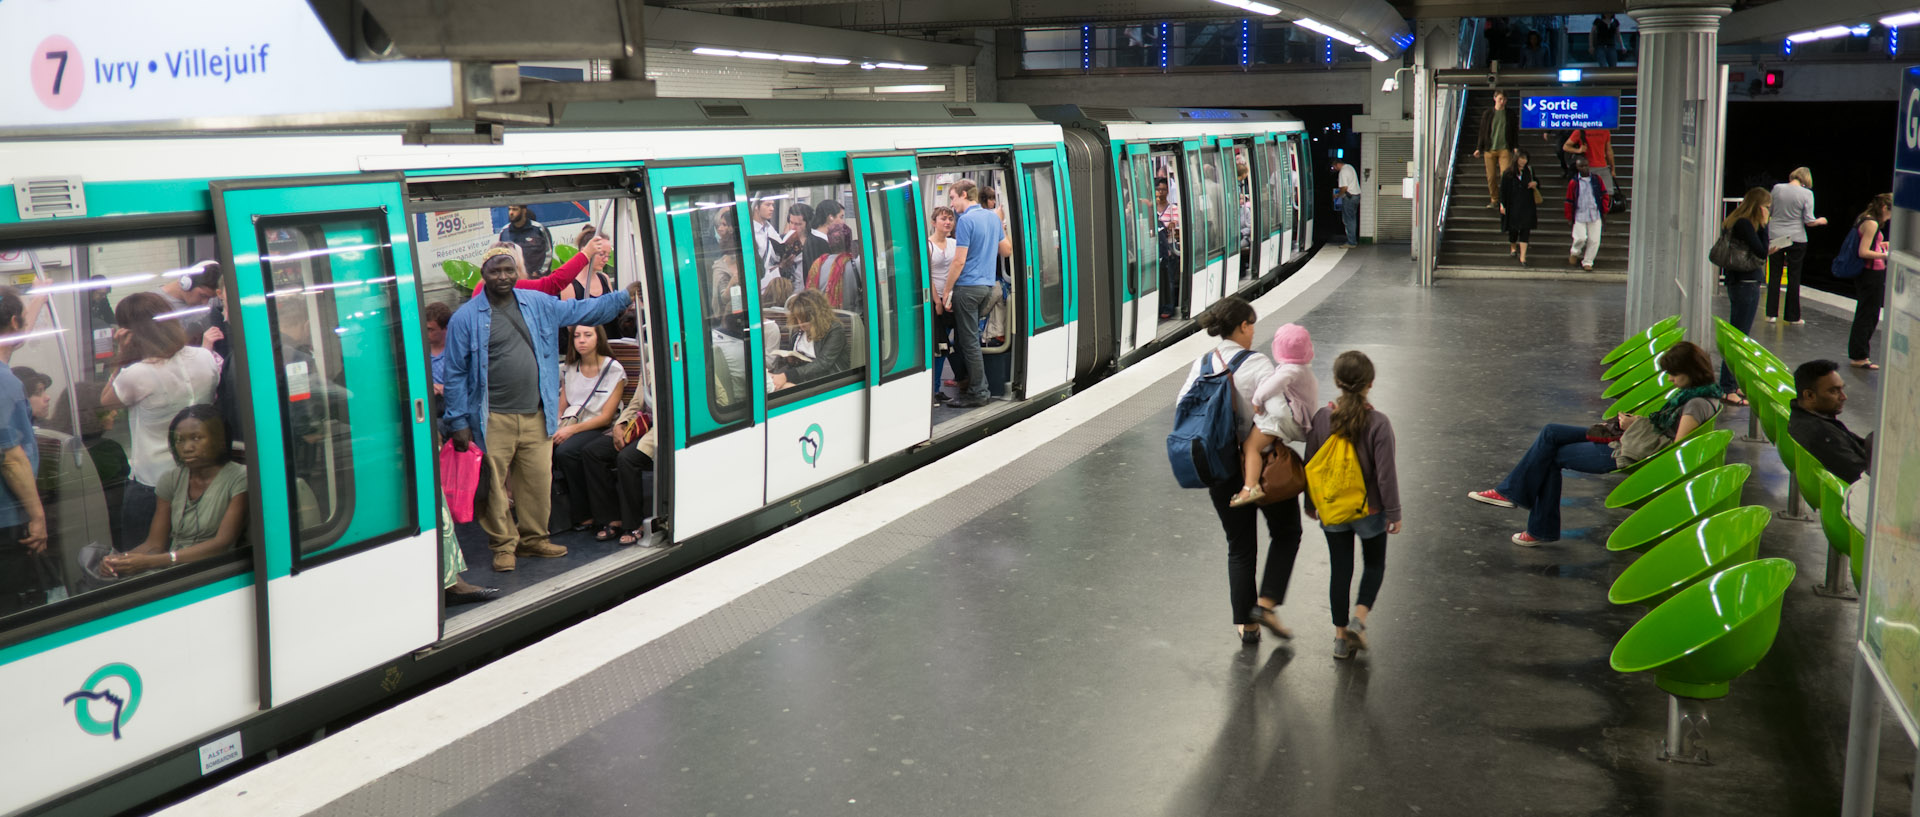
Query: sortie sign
column 1570, row 112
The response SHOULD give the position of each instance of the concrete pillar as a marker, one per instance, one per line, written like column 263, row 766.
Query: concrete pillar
column 1676, row 165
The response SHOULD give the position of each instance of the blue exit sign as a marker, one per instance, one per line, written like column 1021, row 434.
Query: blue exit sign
column 1569, row 112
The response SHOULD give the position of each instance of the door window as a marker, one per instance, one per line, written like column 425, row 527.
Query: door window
column 1212, row 193
column 1272, row 191
column 1145, row 225
column 333, row 304
column 896, row 274
column 714, row 318
column 1046, row 244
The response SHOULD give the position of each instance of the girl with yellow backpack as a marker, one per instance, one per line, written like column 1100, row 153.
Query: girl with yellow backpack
column 1354, row 491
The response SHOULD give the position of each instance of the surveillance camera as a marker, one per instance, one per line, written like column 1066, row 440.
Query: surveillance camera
column 1392, row 84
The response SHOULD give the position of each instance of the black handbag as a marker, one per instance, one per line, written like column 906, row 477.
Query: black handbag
column 1732, row 255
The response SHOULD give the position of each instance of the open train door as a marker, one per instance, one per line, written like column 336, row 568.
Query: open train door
column 1043, row 239
column 334, row 363
column 900, row 335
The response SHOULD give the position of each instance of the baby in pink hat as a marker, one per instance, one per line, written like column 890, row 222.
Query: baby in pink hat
column 1283, row 405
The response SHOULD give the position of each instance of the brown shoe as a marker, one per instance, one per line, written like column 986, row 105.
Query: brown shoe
column 1573, row 260
column 503, row 562
column 546, row 550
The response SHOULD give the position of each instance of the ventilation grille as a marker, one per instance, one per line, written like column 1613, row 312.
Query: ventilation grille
column 1107, row 114
column 50, row 197
column 724, row 111
column 960, row 110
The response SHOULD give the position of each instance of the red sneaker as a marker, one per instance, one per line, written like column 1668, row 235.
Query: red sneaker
column 1526, row 540
column 1491, row 497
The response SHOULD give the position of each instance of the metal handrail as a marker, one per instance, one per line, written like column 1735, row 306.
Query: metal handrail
column 1455, row 111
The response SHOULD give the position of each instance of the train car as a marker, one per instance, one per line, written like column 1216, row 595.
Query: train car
column 1187, row 205
column 242, row 317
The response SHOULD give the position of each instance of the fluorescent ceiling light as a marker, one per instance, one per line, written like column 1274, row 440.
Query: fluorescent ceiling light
column 1827, row 33
column 1899, row 20
column 1250, row 5
column 757, row 55
column 908, row 89
column 1375, row 53
column 899, row 66
column 1311, row 24
column 716, row 52
column 764, row 55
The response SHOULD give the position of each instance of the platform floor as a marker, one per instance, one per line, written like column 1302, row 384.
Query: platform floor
column 1055, row 638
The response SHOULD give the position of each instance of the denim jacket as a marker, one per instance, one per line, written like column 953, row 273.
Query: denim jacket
column 472, row 325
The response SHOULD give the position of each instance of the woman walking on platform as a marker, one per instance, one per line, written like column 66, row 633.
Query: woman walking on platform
column 1231, row 320
column 1371, row 436
column 1518, row 212
column 1748, row 227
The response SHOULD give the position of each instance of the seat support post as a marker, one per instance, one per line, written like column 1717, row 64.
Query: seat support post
column 1686, row 733
column 1838, row 585
column 1753, row 426
column 1795, row 512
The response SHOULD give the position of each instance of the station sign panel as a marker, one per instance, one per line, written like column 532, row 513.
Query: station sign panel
column 1906, row 144
column 107, row 66
column 1570, row 112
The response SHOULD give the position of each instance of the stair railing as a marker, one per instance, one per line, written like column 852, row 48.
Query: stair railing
column 1452, row 113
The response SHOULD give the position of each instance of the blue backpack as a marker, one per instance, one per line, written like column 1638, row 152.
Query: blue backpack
column 1848, row 263
column 1205, row 442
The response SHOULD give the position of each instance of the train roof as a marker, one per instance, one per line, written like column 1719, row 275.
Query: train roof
column 658, row 114
column 1103, row 115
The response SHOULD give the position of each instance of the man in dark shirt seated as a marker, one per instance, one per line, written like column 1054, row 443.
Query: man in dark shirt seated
column 1815, row 421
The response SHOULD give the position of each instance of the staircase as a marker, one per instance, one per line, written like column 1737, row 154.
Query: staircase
column 1473, row 245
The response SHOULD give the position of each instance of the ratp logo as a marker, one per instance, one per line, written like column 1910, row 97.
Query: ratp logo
column 811, row 443
column 112, row 691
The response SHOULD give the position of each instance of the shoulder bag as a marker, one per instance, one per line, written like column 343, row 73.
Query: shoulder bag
column 1729, row 253
column 573, row 412
column 1640, row 441
column 1282, row 476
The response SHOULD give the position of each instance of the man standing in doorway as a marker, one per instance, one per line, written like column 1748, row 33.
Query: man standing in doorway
column 532, row 237
column 1346, row 197
column 501, row 390
column 1587, row 204
column 1499, row 130
column 1605, row 40
column 980, row 240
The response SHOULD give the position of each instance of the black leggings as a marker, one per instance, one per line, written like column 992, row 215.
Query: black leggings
column 1870, row 293
column 1519, row 236
column 1242, row 526
column 1793, row 256
column 1340, row 556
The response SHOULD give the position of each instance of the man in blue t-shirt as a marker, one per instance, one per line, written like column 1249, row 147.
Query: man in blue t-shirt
column 980, row 241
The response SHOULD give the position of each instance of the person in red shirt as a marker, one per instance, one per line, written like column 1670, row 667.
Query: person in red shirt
column 553, row 283
column 1597, row 145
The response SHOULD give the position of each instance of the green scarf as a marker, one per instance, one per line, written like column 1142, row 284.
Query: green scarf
column 1667, row 419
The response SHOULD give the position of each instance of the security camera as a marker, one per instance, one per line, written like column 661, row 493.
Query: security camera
column 1392, row 84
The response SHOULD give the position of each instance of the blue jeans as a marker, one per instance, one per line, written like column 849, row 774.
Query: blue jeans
column 1350, row 218
column 1745, row 296
column 1535, row 483
column 968, row 303
column 1607, row 55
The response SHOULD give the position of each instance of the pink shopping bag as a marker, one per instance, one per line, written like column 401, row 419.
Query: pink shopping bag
column 460, row 479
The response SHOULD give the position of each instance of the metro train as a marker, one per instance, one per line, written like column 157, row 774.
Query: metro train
column 324, row 250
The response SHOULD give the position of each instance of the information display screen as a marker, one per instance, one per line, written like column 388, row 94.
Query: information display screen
column 1570, row 112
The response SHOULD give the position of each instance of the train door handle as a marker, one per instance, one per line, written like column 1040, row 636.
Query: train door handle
column 419, row 410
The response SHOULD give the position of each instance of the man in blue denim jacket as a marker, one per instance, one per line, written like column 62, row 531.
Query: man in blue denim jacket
column 503, row 387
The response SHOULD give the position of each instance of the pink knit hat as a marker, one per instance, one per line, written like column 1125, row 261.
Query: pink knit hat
column 1292, row 344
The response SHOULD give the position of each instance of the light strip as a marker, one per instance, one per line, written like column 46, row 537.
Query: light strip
column 764, row 55
column 1827, row 33
column 1311, row 24
column 1250, row 5
column 898, row 66
column 1899, row 20
column 908, row 89
column 1375, row 53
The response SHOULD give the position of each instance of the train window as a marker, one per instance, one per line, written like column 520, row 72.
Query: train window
column 450, row 242
column 1212, row 192
column 1130, row 257
column 713, row 305
column 120, row 460
column 896, row 274
column 1241, row 196
column 333, row 304
column 1145, row 224
column 1046, row 243
column 813, row 285
column 1272, row 192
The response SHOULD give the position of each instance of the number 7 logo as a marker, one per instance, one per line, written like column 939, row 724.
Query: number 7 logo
column 58, row 73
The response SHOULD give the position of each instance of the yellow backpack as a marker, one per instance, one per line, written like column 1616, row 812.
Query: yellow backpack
column 1334, row 482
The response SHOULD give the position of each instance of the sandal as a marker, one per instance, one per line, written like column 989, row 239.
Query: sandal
column 1247, row 496
column 1734, row 398
column 631, row 538
column 1865, row 364
column 607, row 533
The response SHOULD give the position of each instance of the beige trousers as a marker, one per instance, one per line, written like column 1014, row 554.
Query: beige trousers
column 519, row 459
column 1497, row 163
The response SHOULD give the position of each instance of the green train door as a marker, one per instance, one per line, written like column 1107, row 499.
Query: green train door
column 332, row 369
column 900, row 333
column 1044, row 239
column 1141, row 322
column 716, row 344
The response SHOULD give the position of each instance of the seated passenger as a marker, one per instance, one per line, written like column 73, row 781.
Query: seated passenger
column 1814, row 421
column 630, row 457
column 1535, row 482
column 819, row 343
column 23, row 521
column 837, row 274
column 776, row 294
column 590, row 384
column 159, row 375
column 202, row 506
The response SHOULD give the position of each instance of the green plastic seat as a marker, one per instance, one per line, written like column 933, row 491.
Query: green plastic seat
column 1682, row 505
column 1646, row 351
column 1627, row 346
column 1697, row 453
column 1654, row 389
column 1773, row 413
column 1697, row 642
column 1699, row 550
column 1842, row 536
column 1805, row 469
column 1631, row 380
column 1707, row 426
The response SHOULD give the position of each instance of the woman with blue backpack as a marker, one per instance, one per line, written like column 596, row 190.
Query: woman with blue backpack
column 1353, row 489
column 1232, row 371
column 1868, row 263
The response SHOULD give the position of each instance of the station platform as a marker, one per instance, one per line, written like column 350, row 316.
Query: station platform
column 1039, row 625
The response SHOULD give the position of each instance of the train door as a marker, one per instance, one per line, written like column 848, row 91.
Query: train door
column 899, row 381
column 336, row 371
column 1135, row 309
column 1043, row 240
column 1205, row 243
column 1164, row 172
column 1267, row 193
column 1243, row 260
column 715, row 347
column 1300, row 187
